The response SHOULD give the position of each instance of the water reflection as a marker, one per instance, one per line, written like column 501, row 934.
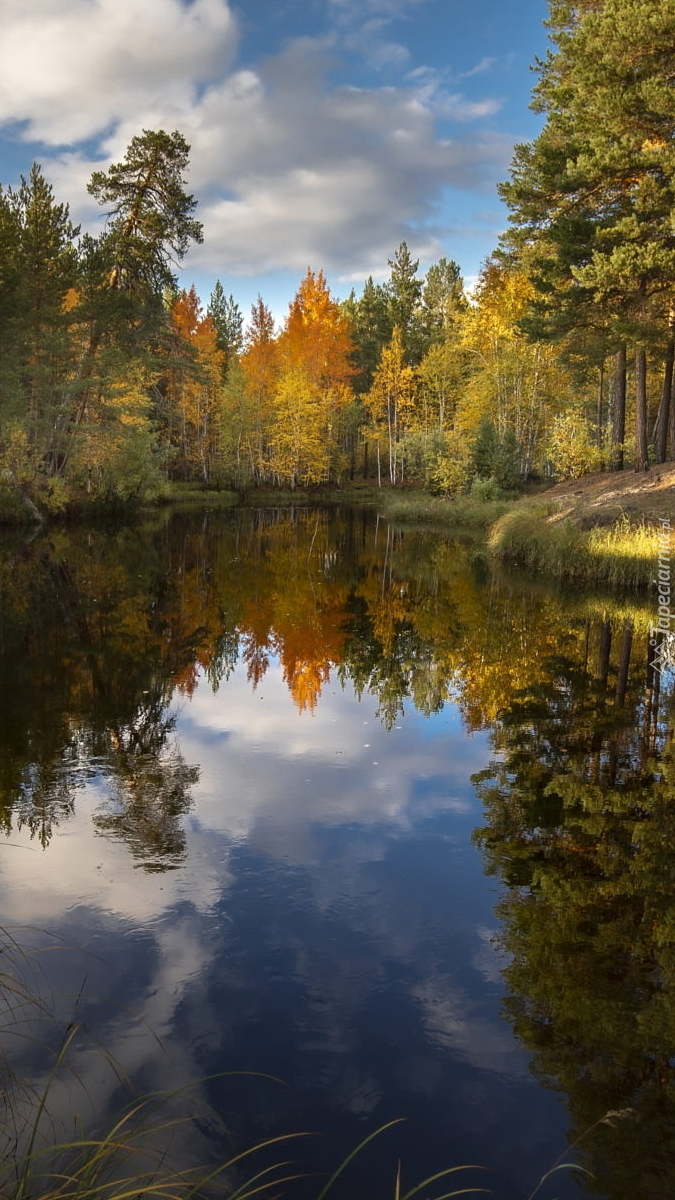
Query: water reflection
column 277, row 719
column 580, row 825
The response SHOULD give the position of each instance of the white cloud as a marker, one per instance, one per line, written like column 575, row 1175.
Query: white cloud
column 484, row 64
column 69, row 70
column 322, row 177
column 290, row 169
column 432, row 91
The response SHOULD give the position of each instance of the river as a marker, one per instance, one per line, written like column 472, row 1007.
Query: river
column 320, row 825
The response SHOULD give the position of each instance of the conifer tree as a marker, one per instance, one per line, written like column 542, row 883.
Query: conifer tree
column 593, row 197
column 229, row 322
column 405, row 293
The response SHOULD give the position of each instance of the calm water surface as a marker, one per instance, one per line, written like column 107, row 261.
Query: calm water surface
column 319, row 817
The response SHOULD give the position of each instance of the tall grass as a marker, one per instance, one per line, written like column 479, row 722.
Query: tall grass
column 459, row 512
column 132, row 1159
column 621, row 555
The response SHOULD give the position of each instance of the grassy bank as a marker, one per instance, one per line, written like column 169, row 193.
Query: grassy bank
column 458, row 512
column 534, row 537
column 601, row 530
column 188, row 495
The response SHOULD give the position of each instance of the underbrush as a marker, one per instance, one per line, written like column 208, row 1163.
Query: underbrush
column 623, row 554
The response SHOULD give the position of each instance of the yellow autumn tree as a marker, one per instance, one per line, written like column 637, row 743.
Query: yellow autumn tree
column 516, row 384
column 114, row 454
column 248, row 409
column 442, row 376
column 300, row 450
column 194, row 389
column 391, row 402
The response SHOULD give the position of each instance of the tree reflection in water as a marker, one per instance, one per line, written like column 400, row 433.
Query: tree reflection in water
column 580, row 826
column 102, row 633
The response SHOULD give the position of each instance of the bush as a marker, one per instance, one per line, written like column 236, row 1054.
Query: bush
column 484, row 489
column 495, row 458
column 572, row 448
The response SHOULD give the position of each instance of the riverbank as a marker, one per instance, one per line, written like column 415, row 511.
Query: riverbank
column 601, row 529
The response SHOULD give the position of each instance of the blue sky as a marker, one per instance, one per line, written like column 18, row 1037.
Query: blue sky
column 323, row 132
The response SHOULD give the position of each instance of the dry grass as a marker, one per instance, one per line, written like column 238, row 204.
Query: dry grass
column 621, row 555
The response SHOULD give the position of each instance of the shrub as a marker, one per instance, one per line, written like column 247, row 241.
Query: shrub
column 485, row 489
column 571, row 446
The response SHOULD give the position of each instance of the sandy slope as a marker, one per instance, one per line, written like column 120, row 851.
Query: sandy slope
column 600, row 499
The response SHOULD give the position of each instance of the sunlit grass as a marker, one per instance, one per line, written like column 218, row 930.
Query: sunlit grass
column 623, row 554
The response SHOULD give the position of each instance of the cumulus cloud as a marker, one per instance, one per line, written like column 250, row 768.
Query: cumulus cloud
column 70, row 70
column 290, row 168
column 324, row 176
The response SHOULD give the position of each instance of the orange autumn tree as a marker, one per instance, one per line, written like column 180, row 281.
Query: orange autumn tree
column 249, row 401
column 314, row 386
column 194, row 389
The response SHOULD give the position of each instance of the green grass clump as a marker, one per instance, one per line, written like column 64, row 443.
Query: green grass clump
column 193, row 494
column 456, row 512
column 622, row 554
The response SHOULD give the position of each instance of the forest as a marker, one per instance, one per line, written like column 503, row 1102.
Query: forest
column 116, row 384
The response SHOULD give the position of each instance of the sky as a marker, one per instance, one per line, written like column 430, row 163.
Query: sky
column 323, row 132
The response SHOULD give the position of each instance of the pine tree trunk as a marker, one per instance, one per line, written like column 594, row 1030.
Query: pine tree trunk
column 601, row 404
column 662, row 421
column 619, row 409
column 641, row 450
column 671, row 423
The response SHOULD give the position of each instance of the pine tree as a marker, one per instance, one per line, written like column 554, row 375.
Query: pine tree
column 594, row 196
column 371, row 328
column 443, row 300
column 150, row 221
column 405, row 293
column 229, row 322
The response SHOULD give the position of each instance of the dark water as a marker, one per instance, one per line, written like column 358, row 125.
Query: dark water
column 318, row 817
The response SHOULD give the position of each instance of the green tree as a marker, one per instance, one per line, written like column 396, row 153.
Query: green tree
column 39, row 270
column 371, row 328
column 405, row 293
column 229, row 322
column 603, row 168
column 150, row 215
column 125, row 274
column 443, row 300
